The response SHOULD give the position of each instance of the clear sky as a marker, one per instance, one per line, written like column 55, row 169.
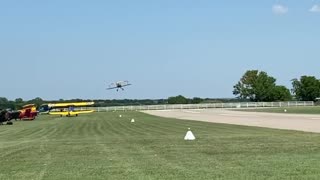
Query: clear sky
column 196, row 48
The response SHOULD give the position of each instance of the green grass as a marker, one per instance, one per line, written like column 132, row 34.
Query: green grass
column 104, row 146
column 293, row 110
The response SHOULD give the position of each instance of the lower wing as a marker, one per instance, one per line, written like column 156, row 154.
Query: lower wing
column 64, row 113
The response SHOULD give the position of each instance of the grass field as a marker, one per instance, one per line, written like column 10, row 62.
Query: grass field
column 294, row 110
column 104, row 146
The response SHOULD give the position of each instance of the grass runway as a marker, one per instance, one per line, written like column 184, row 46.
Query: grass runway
column 104, row 146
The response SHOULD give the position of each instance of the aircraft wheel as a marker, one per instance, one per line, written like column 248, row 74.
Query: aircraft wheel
column 76, row 114
column 9, row 123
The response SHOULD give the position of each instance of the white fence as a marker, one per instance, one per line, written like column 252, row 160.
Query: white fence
column 203, row 106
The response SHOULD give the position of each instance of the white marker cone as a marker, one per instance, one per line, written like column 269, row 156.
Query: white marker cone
column 285, row 110
column 120, row 115
column 189, row 136
column 132, row 120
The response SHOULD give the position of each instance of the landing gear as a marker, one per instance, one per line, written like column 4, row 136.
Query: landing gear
column 7, row 123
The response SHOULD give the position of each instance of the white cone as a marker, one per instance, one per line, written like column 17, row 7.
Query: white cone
column 120, row 115
column 132, row 120
column 285, row 110
column 189, row 136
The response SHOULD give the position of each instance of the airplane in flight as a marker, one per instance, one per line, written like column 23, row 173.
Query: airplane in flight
column 119, row 85
column 65, row 109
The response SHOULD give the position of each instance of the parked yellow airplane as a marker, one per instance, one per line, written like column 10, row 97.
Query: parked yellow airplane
column 65, row 109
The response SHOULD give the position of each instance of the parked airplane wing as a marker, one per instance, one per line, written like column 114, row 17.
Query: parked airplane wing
column 71, row 113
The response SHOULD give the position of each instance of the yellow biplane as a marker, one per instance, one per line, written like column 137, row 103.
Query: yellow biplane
column 65, row 109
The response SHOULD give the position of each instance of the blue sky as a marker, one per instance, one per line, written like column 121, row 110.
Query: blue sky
column 74, row 49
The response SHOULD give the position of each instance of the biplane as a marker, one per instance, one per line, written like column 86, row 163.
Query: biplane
column 28, row 112
column 65, row 109
column 119, row 85
column 4, row 117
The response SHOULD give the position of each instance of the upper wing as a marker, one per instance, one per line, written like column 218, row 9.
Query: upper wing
column 126, row 85
column 112, row 88
column 69, row 104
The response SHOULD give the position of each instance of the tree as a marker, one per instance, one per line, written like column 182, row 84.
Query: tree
column 18, row 100
column 196, row 100
column 178, row 100
column 3, row 103
column 263, row 87
column 244, row 88
column 37, row 101
column 18, row 103
column 281, row 93
column 258, row 86
column 307, row 88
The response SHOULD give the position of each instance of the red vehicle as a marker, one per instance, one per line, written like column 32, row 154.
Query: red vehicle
column 28, row 112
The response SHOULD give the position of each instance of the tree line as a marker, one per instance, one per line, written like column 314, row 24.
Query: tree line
column 254, row 85
column 19, row 102
column 258, row 86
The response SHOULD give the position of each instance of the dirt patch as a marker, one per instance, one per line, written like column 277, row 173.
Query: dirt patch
column 307, row 123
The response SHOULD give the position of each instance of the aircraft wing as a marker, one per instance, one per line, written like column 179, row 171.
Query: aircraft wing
column 69, row 104
column 64, row 113
column 126, row 85
column 84, row 112
column 71, row 113
column 112, row 88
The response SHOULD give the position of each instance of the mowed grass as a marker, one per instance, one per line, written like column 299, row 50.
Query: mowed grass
column 293, row 110
column 104, row 146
